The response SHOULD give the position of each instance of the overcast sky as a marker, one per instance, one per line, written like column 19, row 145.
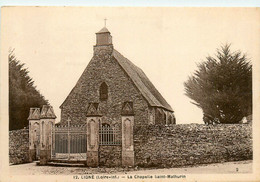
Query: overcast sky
column 56, row 44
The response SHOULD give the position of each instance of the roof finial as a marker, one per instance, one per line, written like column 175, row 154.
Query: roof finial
column 105, row 22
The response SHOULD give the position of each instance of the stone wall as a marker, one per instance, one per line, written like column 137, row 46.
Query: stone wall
column 110, row 156
column 191, row 144
column 18, row 146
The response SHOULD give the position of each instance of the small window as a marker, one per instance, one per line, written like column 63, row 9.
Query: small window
column 170, row 120
column 103, row 91
column 174, row 120
column 158, row 116
column 164, row 119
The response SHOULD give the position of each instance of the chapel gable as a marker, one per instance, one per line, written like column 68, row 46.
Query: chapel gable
column 112, row 86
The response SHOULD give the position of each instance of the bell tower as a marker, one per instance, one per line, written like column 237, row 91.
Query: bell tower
column 104, row 46
column 103, row 37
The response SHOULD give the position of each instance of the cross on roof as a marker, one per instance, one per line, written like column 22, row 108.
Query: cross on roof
column 105, row 22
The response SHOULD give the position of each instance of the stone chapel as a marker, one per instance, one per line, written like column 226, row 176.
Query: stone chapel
column 112, row 85
column 101, row 115
column 114, row 93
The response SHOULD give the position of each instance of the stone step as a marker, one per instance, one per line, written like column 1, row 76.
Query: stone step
column 60, row 164
column 71, row 161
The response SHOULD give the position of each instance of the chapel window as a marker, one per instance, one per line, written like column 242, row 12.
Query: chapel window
column 158, row 116
column 174, row 120
column 103, row 91
column 164, row 118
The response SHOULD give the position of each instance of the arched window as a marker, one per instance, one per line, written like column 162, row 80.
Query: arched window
column 103, row 91
column 164, row 119
column 170, row 120
column 174, row 120
column 159, row 116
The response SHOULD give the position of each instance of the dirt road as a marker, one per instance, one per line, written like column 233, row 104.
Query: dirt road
column 227, row 167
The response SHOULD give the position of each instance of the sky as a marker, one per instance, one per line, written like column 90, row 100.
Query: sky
column 56, row 44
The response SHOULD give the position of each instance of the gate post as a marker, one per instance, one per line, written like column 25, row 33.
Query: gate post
column 127, row 115
column 47, row 120
column 34, row 121
column 93, row 120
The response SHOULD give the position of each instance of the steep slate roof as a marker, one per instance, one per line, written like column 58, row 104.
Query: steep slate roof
column 145, row 86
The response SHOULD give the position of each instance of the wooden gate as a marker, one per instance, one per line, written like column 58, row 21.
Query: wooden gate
column 69, row 142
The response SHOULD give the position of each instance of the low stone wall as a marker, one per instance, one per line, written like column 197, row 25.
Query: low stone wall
column 18, row 146
column 110, row 156
column 191, row 144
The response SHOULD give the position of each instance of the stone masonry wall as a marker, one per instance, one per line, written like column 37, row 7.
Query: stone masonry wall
column 18, row 146
column 191, row 144
column 110, row 156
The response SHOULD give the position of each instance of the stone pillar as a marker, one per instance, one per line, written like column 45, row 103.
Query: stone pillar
column 127, row 135
column 93, row 121
column 92, row 141
column 127, row 141
column 34, row 120
column 47, row 120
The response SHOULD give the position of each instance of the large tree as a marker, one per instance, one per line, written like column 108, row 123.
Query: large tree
column 222, row 86
column 22, row 94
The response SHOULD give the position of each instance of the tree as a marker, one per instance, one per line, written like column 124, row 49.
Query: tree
column 222, row 86
column 22, row 94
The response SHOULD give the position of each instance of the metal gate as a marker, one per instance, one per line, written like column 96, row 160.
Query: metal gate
column 69, row 142
column 109, row 135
